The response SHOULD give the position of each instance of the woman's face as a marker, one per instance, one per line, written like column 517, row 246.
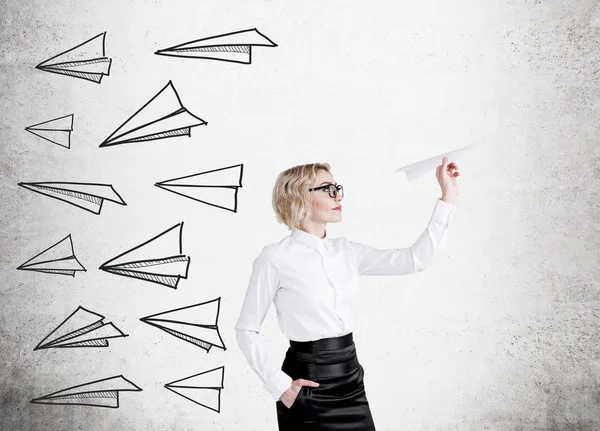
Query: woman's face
column 324, row 208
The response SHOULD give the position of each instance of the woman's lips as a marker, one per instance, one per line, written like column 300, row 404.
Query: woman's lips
column 337, row 209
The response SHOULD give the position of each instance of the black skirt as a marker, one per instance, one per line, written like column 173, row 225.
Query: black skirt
column 339, row 403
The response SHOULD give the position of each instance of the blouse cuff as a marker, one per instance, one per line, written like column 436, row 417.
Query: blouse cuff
column 443, row 211
column 278, row 383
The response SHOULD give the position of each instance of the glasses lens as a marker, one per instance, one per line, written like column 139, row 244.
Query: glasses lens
column 331, row 190
column 334, row 190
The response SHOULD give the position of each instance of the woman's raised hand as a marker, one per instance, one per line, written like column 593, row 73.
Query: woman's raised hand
column 447, row 174
column 289, row 396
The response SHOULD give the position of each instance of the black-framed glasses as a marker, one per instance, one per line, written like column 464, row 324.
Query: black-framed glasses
column 332, row 189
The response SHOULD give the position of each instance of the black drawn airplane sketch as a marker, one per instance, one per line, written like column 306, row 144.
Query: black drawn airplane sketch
column 162, row 117
column 158, row 260
column 87, row 61
column 203, row 388
column 87, row 196
column 196, row 324
column 99, row 393
column 82, row 328
column 59, row 258
column 58, row 130
column 217, row 187
column 234, row 47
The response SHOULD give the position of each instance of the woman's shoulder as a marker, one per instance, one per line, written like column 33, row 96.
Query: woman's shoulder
column 269, row 250
column 270, row 254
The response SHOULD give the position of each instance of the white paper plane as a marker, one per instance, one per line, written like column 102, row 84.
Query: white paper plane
column 59, row 258
column 88, row 196
column 99, row 393
column 159, row 260
column 196, row 324
column 82, row 328
column 58, row 130
column 85, row 61
column 203, row 388
column 218, row 187
column 415, row 170
column 163, row 116
column 235, row 47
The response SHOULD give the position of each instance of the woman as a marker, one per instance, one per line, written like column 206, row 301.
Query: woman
column 313, row 281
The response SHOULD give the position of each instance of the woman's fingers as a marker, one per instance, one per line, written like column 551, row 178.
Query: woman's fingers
column 289, row 397
column 453, row 169
column 444, row 163
column 304, row 382
column 445, row 166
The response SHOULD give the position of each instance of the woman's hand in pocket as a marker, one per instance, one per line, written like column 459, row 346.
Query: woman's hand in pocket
column 290, row 395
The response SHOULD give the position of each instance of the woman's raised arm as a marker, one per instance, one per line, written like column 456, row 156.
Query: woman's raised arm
column 416, row 258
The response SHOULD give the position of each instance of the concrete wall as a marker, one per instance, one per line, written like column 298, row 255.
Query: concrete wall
column 500, row 334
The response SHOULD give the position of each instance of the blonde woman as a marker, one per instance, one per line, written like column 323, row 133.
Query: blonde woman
column 313, row 281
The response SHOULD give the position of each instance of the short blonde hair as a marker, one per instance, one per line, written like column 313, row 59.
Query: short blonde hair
column 290, row 194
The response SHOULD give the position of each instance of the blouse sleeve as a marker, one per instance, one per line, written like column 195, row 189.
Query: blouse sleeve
column 261, row 290
column 417, row 257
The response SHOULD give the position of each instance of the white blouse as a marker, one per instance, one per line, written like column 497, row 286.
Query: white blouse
column 313, row 283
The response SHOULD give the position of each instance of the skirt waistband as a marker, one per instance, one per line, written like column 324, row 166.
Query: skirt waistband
column 331, row 343
column 320, row 359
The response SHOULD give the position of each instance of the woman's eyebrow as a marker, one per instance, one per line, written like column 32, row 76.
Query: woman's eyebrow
column 328, row 182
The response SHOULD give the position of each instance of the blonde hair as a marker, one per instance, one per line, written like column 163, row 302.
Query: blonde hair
column 291, row 200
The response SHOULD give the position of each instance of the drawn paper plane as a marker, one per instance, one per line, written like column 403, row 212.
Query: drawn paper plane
column 86, row 61
column 59, row 258
column 82, row 328
column 415, row 170
column 218, row 187
column 196, row 324
column 99, row 393
column 88, row 196
column 58, row 130
column 202, row 388
column 164, row 116
column 159, row 260
column 235, row 47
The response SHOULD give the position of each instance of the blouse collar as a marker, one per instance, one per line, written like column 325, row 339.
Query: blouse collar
column 309, row 239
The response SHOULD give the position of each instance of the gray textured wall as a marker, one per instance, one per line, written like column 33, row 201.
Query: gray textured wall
column 500, row 334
